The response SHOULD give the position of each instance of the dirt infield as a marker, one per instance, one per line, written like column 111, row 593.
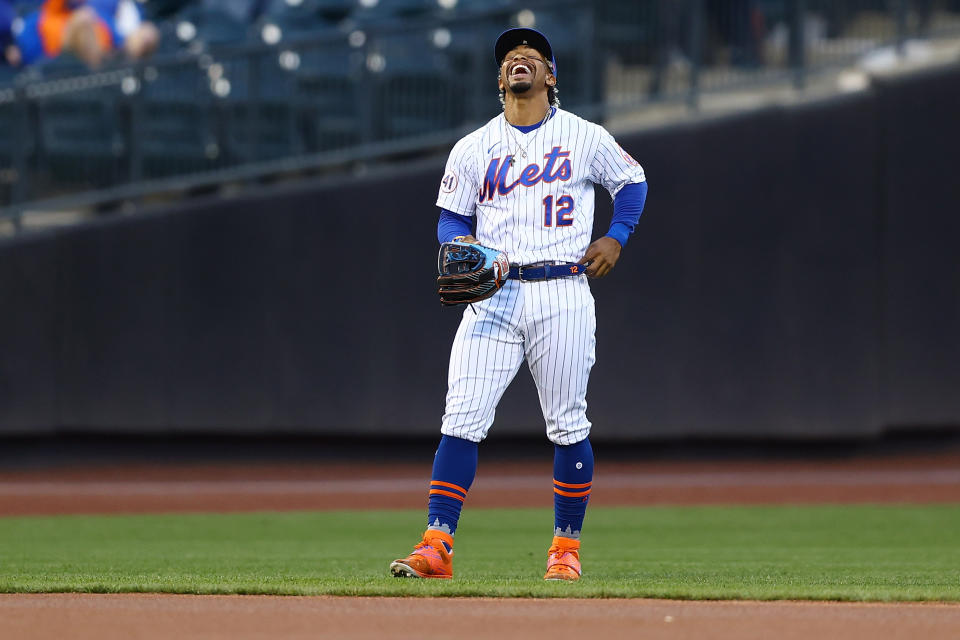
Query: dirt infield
column 144, row 489
column 242, row 487
column 142, row 616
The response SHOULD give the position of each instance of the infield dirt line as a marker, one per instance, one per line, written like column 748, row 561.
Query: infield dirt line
column 616, row 481
column 275, row 487
column 149, row 617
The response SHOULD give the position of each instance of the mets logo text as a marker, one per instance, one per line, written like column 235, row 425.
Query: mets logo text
column 495, row 182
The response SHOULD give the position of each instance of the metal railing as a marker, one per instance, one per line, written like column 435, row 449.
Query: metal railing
column 210, row 115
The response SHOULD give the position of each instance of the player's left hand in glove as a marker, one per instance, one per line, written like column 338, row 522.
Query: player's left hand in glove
column 469, row 272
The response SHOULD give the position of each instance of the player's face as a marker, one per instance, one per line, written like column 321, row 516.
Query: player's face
column 523, row 70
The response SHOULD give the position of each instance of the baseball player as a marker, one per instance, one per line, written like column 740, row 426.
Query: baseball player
column 525, row 180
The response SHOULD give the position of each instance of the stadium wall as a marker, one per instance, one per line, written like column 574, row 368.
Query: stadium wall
column 794, row 276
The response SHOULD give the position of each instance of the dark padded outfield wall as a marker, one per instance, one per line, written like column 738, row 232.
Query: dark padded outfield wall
column 749, row 307
column 793, row 276
column 921, row 250
column 29, row 335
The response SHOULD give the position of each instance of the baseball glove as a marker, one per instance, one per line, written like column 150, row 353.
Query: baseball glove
column 469, row 272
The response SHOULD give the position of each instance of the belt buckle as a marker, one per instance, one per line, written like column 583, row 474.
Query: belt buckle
column 536, row 265
column 520, row 269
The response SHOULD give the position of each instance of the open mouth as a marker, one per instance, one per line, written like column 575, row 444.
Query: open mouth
column 521, row 69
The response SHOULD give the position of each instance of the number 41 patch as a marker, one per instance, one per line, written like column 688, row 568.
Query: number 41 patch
column 449, row 183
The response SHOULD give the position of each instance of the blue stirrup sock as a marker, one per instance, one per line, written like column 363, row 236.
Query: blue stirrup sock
column 454, row 468
column 572, row 480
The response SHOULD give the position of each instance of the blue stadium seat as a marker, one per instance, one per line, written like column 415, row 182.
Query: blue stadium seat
column 12, row 120
column 408, row 53
column 471, row 45
column 7, row 74
column 258, row 114
column 216, row 27
column 177, row 132
column 271, row 75
column 169, row 42
column 475, row 6
column 416, row 88
column 470, row 55
column 299, row 18
column 333, row 10
column 387, row 10
column 331, row 97
column 62, row 66
column 160, row 11
column 412, row 105
column 220, row 22
column 629, row 29
column 79, row 140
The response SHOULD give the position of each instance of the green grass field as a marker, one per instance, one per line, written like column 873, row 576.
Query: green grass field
column 861, row 552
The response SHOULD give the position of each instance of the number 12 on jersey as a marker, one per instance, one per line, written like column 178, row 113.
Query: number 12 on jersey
column 564, row 211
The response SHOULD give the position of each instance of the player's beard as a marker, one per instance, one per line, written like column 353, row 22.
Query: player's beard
column 518, row 88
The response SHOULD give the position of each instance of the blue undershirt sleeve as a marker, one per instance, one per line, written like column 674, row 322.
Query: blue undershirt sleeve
column 627, row 207
column 452, row 225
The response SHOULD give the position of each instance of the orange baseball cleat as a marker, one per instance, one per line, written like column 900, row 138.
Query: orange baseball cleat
column 429, row 559
column 563, row 559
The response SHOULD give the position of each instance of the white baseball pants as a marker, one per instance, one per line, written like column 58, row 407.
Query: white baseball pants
column 551, row 323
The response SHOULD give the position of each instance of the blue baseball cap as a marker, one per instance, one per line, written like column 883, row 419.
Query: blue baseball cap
column 512, row 38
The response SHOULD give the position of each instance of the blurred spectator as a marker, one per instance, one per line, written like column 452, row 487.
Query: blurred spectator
column 88, row 29
column 731, row 33
column 739, row 29
column 136, row 37
column 9, row 52
column 671, row 38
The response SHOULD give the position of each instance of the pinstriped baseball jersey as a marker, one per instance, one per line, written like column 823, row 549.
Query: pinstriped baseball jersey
column 539, row 206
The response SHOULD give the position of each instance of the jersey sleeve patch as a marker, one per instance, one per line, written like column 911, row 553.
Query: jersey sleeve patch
column 628, row 157
column 449, row 182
